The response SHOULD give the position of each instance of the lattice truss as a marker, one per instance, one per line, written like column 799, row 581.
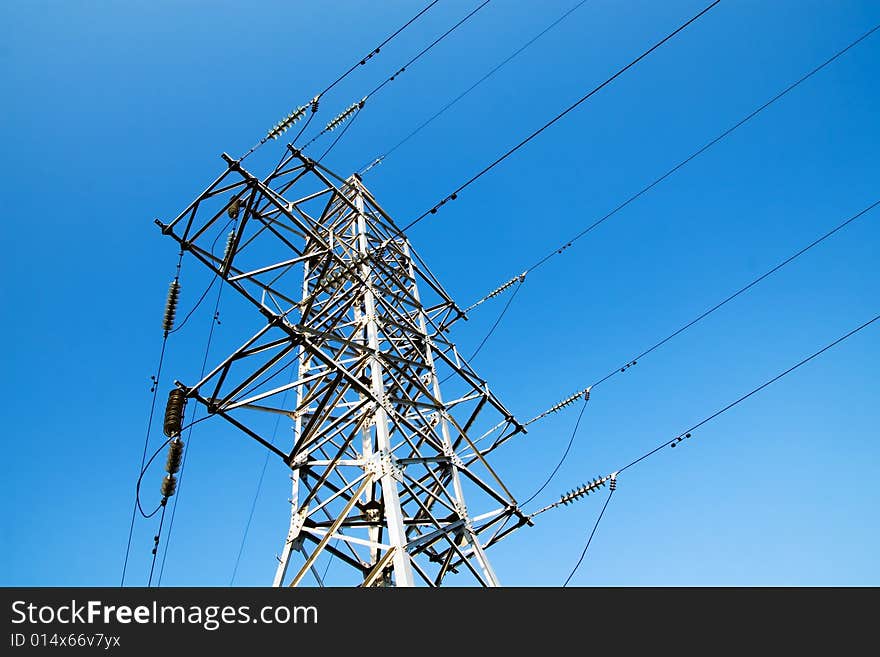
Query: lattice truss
column 389, row 478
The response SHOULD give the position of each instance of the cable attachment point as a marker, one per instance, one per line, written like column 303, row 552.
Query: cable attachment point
column 568, row 401
column 628, row 365
column 498, row 290
column 678, row 439
column 315, row 102
column 174, row 412
column 374, row 163
column 171, row 306
column 281, row 127
column 581, row 491
column 339, row 120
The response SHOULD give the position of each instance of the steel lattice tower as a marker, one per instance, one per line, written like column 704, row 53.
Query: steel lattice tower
column 389, row 476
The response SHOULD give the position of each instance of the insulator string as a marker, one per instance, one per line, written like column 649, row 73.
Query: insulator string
column 154, row 390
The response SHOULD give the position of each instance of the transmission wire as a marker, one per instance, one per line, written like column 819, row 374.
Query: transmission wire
column 696, row 426
column 565, row 245
column 402, row 69
column 214, row 322
column 742, row 290
column 704, row 148
column 361, row 62
column 752, row 392
column 494, row 70
column 453, row 195
column 155, row 391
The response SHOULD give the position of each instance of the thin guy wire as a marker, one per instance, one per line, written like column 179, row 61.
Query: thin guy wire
column 339, row 136
column 452, row 196
column 492, row 72
column 497, row 322
column 490, row 332
column 589, row 540
column 564, row 455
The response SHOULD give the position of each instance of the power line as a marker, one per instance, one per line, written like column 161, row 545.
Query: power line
column 714, row 415
column 396, row 74
column 454, row 195
column 634, row 361
column 703, row 149
column 428, row 48
column 361, row 62
column 214, row 322
column 210, row 284
column 156, row 545
column 726, row 133
column 574, row 431
column 476, row 84
column 489, row 333
column 740, row 291
column 687, row 433
column 630, row 363
column 339, row 136
column 375, row 51
column 155, row 391
column 589, row 540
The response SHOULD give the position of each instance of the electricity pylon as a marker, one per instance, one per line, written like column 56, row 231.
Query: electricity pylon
column 390, row 477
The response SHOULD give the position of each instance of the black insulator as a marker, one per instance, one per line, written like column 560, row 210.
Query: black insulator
column 171, row 305
column 174, row 412
column 233, row 209
column 175, row 454
column 169, row 485
column 613, row 484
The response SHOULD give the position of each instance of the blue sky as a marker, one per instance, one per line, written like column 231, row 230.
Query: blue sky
column 116, row 113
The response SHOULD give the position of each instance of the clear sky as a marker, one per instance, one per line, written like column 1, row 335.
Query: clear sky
column 115, row 114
